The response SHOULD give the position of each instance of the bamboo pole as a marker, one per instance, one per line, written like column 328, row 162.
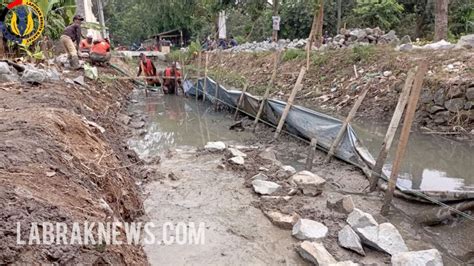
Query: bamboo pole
column 402, row 144
column 241, row 100
column 199, row 70
column 311, row 152
column 205, row 78
column 346, row 122
column 296, row 88
column 392, row 129
column 267, row 91
column 309, row 45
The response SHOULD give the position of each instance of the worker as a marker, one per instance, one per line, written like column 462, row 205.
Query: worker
column 100, row 52
column 233, row 42
column 85, row 45
column 148, row 68
column 172, row 79
column 71, row 35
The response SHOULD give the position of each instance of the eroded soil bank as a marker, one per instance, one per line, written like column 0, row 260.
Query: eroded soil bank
column 194, row 185
column 63, row 158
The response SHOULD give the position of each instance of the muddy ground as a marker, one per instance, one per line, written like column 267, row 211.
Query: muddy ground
column 331, row 84
column 56, row 165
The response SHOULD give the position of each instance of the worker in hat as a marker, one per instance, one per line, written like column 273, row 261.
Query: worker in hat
column 86, row 44
column 70, row 40
column 172, row 79
column 100, row 52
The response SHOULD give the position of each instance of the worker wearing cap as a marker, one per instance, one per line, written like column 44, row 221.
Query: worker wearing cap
column 70, row 40
column 100, row 51
column 171, row 79
column 86, row 44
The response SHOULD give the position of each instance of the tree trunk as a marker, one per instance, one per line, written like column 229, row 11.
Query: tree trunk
column 339, row 14
column 441, row 20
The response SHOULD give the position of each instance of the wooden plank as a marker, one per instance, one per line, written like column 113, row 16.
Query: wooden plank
column 205, row 78
column 311, row 152
column 216, row 96
column 392, row 129
column 241, row 100
column 346, row 122
column 402, row 144
column 267, row 91
column 296, row 88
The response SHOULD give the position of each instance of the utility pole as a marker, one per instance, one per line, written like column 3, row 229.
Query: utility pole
column 101, row 18
column 339, row 11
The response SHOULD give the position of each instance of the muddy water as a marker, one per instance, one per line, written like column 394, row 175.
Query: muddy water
column 431, row 163
column 236, row 233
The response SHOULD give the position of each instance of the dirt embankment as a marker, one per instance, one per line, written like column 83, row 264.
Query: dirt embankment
column 56, row 165
column 331, row 85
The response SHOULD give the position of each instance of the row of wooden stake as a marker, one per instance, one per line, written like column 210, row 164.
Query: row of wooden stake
column 408, row 100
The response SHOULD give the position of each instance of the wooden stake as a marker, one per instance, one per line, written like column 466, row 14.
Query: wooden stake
column 298, row 86
column 267, row 91
column 355, row 72
column 392, row 129
column 241, row 100
column 205, row 78
column 309, row 45
column 312, row 150
column 346, row 122
column 199, row 68
column 402, row 144
column 216, row 96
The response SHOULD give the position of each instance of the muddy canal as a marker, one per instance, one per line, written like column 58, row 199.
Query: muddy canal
column 199, row 192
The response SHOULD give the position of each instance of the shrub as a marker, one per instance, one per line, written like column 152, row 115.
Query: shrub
column 292, row 54
column 362, row 53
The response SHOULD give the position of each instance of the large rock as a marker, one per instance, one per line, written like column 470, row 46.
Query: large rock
column 306, row 229
column 237, row 160
column 33, row 76
column 265, row 187
column 470, row 94
column 426, row 96
column 285, row 221
column 343, row 205
column 311, row 184
column 466, row 41
column 430, row 257
column 405, row 40
column 349, row 239
column 259, row 176
column 441, row 45
column 389, row 38
column 316, row 253
column 360, row 219
column 215, row 146
column 455, row 105
column 439, row 97
column 236, row 152
column 5, row 68
column 360, row 34
column 384, row 237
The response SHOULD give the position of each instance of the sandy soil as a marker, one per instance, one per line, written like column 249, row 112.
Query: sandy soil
column 56, row 166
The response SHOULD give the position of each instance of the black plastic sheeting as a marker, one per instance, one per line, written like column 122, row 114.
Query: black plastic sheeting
column 308, row 124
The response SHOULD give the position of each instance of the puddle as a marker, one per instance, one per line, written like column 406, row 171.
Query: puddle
column 178, row 121
column 431, row 163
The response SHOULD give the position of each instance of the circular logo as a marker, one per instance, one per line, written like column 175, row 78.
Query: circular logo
column 22, row 21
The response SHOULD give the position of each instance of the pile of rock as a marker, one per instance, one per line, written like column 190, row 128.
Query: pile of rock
column 442, row 106
column 26, row 73
column 349, row 37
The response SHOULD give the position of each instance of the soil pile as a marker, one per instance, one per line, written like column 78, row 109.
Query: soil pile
column 63, row 158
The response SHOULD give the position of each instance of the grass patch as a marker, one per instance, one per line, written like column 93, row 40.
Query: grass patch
column 293, row 54
column 320, row 59
column 362, row 53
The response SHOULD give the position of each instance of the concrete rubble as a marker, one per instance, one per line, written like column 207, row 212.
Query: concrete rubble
column 237, row 160
column 306, row 229
column 215, row 146
column 384, row 237
column 430, row 257
column 285, row 221
column 342, row 205
column 260, row 176
column 360, row 219
column 236, row 153
column 316, row 253
column 349, row 239
column 265, row 187
column 311, row 184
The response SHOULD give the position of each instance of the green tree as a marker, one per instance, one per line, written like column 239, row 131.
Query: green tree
column 382, row 13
